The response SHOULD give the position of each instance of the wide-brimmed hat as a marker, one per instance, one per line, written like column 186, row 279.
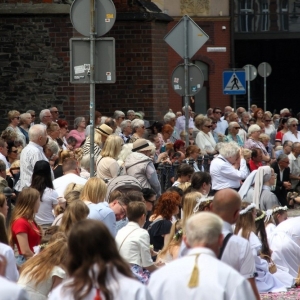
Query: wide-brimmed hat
column 104, row 130
column 141, row 144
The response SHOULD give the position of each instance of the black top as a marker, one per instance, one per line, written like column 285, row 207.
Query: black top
column 58, row 171
column 156, row 232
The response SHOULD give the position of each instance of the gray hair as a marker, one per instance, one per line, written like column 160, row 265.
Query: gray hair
column 232, row 124
column 253, row 128
column 204, row 228
column 136, row 123
column 77, row 121
column 124, row 124
column 2, row 165
column 30, row 111
column 85, row 162
column 168, row 116
column 43, row 112
column 118, row 113
column 130, row 111
column 245, row 113
column 295, row 145
column 183, row 108
column 52, row 146
column 24, row 116
column 36, row 131
column 126, row 150
column 284, row 110
column 281, row 157
column 228, row 149
column 290, row 120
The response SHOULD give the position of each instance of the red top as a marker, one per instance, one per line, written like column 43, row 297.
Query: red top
column 31, row 229
column 253, row 165
column 279, row 136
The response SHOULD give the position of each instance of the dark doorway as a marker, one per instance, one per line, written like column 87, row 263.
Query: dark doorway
column 283, row 85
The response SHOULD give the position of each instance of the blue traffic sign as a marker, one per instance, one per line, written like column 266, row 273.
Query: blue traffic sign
column 234, row 82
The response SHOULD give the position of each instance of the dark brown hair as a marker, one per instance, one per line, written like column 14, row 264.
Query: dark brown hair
column 135, row 210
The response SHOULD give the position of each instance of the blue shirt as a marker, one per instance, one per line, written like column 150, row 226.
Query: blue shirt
column 102, row 212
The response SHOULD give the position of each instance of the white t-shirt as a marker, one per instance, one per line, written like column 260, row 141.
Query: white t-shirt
column 11, row 272
column 11, row 290
column 62, row 182
column 45, row 215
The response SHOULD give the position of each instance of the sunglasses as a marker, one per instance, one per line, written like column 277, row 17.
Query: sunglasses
column 208, row 126
column 17, row 118
column 294, row 125
column 237, row 128
column 218, row 112
column 33, row 116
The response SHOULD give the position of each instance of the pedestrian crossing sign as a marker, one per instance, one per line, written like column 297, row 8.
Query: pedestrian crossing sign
column 234, row 82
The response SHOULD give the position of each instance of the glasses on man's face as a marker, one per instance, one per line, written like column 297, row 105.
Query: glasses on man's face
column 123, row 209
column 218, row 112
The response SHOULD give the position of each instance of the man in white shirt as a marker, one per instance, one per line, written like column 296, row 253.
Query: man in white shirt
column 31, row 154
column 228, row 168
column 71, row 175
column 180, row 122
column 199, row 274
column 237, row 253
column 221, row 124
column 45, row 117
column 55, row 113
column 295, row 164
column 3, row 152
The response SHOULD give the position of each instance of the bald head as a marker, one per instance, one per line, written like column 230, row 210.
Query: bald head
column 227, row 204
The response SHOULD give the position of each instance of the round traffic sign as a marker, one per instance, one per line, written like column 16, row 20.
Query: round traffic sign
column 264, row 69
column 105, row 16
column 251, row 72
column 195, row 80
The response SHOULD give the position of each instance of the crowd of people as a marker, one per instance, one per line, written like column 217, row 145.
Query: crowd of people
column 118, row 233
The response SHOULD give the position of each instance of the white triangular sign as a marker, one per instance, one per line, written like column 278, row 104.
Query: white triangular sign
column 234, row 84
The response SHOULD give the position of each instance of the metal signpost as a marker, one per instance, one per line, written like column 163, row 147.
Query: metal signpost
column 193, row 39
column 91, row 18
column 265, row 70
column 251, row 74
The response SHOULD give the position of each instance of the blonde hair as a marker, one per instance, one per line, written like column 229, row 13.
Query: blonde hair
column 200, row 120
column 24, row 209
column 52, row 127
column 189, row 203
column 174, row 240
column 63, row 155
column 97, row 138
column 38, row 268
column 78, row 154
column 73, row 187
column 12, row 114
column 75, row 212
column 94, row 190
column 264, row 136
column 247, row 152
column 69, row 197
column 112, row 147
column 183, row 186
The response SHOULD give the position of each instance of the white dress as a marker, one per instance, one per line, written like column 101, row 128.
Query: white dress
column 41, row 291
column 265, row 281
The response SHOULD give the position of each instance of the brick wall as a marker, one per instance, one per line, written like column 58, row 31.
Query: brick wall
column 217, row 61
column 142, row 70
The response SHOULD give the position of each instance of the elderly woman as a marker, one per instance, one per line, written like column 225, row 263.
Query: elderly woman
column 233, row 129
column 140, row 165
column 292, row 134
column 14, row 120
column 204, row 139
column 53, row 131
column 51, row 151
column 244, row 123
column 126, row 130
column 79, row 132
column 253, row 141
column 25, row 121
column 265, row 139
column 119, row 117
column 138, row 129
column 228, row 168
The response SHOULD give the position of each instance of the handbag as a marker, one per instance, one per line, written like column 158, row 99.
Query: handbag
column 272, row 265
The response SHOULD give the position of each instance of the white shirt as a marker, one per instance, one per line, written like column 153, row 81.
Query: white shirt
column 221, row 126
column 45, row 215
column 121, row 287
column 11, row 291
column 133, row 243
column 217, row 280
column 224, row 175
column 3, row 158
column 180, row 123
column 205, row 142
column 11, row 272
column 60, row 184
column 289, row 136
column 237, row 253
column 29, row 156
column 294, row 168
